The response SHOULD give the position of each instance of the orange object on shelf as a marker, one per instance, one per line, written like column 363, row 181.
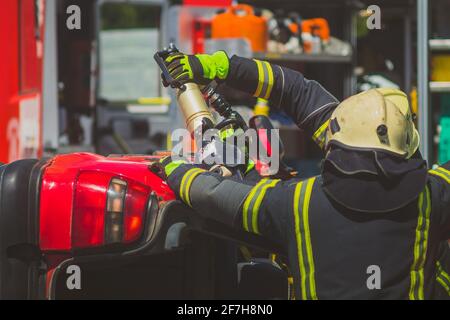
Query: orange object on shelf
column 240, row 21
column 317, row 27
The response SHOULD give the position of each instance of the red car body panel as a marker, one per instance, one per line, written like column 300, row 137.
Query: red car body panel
column 58, row 190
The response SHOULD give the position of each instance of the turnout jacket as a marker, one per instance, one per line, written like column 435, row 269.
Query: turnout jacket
column 333, row 252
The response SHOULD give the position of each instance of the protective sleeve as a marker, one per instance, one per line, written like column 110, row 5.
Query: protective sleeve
column 306, row 101
column 441, row 177
column 261, row 209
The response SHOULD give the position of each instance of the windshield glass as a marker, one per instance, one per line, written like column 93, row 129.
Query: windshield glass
column 129, row 37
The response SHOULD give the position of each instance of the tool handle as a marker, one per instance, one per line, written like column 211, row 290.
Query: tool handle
column 160, row 58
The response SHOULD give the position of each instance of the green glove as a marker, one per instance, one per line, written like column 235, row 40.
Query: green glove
column 199, row 68
column 165, row 166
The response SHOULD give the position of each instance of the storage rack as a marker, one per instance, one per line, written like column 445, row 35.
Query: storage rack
column 425, row 46
column 346, row 28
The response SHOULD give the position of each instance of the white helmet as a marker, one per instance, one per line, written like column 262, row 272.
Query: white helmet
column 377, row 119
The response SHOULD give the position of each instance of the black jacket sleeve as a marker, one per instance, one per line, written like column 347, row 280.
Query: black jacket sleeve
column 306, row 101
column 261, row 209
column 441, row 177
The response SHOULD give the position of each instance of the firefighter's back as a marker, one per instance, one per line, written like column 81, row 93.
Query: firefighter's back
column 339, row 253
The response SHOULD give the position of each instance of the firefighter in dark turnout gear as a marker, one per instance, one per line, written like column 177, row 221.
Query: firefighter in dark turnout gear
column 369, row 227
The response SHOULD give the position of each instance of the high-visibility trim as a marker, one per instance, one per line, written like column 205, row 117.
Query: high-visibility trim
column 301, row 264
column 260, row 78
column 302, row 197
column 444, row 284
column 265, row 79
column 443, row 278
column 189, row 183
column 420, row 246
column 257, row 204
column 320, row 135
column 442, row 173
column 443, row 170
column 186, row 183
column 252, row 204
column 247, row 202
column 442, row 272
column 270, row 81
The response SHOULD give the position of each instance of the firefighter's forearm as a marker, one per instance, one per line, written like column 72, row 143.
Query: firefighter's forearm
column 233, row 203
column 218, row 198
column 208, row 193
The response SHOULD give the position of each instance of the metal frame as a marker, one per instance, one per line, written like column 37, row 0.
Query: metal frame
column 408, row 50
column 422, row 77
column 50, row 128
column 350, row 32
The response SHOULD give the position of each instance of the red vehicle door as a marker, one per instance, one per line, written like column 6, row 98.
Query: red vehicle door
column 21, row 59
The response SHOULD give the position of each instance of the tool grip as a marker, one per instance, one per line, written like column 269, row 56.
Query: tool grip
column 166, row 77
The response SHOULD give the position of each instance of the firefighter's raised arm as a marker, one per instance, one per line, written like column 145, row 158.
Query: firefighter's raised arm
column 306, row 101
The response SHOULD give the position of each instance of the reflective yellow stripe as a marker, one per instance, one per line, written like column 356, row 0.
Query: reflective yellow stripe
column 298, row 236
column 257, row 204
column 420, row 246
column 270, row 85
column 302, row 196
column 442, row 173
column 434, row 172
column 413, row 273
column 186, row 182
column 442, row 273
column 443, row 278
column 308, row 237
column 247, row 202
column 319, row 135
column 265, row 80
column 260, row 78
column 189, row 183
column 443, row 284
column 183, row 183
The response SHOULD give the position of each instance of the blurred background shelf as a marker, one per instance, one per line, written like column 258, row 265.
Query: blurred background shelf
column 440, row 86
column 439, row 44
column 291, row 57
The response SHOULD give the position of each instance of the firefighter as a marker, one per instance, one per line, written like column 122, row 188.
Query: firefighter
column 368, row 227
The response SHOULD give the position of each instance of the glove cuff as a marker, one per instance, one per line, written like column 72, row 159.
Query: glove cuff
column 215, row 66
column 170, row 167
